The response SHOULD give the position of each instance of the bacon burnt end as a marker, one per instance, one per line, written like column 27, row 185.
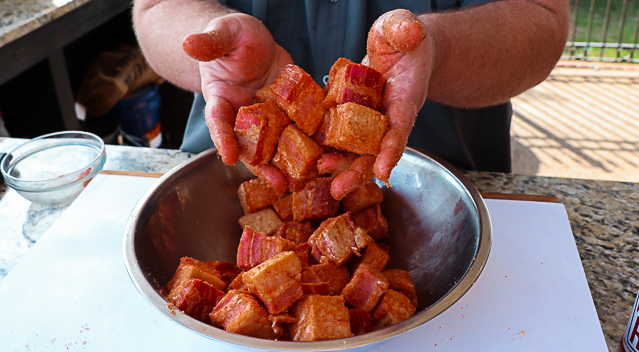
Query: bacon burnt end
column 256, row 248
column 297, row 93
column 297, row 156
column 190, row 268
column 365, row 288
column 337, row 240
column 263, row 221
column 284, row 208
column 320, row 318
column 257, row 129
column 356, row 128
column 295, row 231
column 241, row 313
column 373, row 256
column 315, row 202
column 356, row 83
column 335, row 277
column 363, row 197
column 372, row 220
column 393, row 307
column 196, row 298
column 399, row 280
column 256, row 194
column 275, row 282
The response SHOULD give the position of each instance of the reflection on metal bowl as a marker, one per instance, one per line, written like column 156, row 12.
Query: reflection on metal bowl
column 438, row 223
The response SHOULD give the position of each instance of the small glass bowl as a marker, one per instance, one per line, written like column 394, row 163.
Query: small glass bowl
column 54, row 168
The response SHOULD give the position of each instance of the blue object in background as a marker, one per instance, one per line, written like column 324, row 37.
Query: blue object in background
column 138, row 117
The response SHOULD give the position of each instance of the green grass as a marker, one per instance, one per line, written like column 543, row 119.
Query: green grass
column 580, row 33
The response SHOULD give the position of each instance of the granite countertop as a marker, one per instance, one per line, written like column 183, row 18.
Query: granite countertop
column 604, row 217
column 18, row 18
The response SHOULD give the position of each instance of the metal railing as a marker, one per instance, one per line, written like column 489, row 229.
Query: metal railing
column 604, row 30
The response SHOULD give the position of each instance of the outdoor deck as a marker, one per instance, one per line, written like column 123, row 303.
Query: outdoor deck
column 579, row 122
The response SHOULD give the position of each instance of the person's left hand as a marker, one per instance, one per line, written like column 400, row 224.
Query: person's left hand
column 400, row 47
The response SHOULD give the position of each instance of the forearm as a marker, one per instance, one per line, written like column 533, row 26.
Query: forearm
column 487, row 54
column 160, row 27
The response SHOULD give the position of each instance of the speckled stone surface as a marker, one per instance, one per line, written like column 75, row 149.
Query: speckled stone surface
column 20, row 17
column 604, row 217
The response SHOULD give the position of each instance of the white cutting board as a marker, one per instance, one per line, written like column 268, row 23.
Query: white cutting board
column 72, row 289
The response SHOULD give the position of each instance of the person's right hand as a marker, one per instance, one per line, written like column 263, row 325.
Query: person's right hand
column 238, row 56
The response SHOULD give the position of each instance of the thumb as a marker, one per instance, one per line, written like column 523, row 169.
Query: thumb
column 219, row 38
column 401, row 29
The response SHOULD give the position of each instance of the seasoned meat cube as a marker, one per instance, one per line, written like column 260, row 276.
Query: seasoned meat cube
column 190, row 268
column 264, row 94
column 280, row 322
column 356, row 128
column 196, row 298
column 361, row 321
column 297, row 93
column 337, row 240
column 351, row 82
column 372, row 220
column 240, row 313
column 227, row 272
column 393, row 308
column 373, row 256
column 284, row 208
column 365, row 288
column 315, row 288
column 363, row 197
column 295, row 231
column 237, row 284
column 297, row 156
column 320, row 135
column 275, row 282
column 263, row 221
column 258, row 128
column 399, row 280
column 335, row 276
column 320, row 318
column 256, row 194
column 256, row 248
column 315, row 202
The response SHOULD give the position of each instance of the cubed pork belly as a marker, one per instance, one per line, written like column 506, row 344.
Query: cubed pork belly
column 320, row 318
column 256, row 248
column 284, row 208
column 372, row 220
column 296, row 157
column 257, row 194
column 361, row 321
column 237, row 284
column 337, row 240
column 315, row 288
column 241, row 313
column 276, row 282
column 365, row 288
column 399, row 280
column 297, row 93
column 363, row 197
column 356, row 128
column 227, row 272
column 263, row 221
column 373, row 256
column 320, row 135
column 335, row 276
column 264, row 94
column 351, row 82
column 280, row 322
column 257, row 129
column 296, row 231
column 315, row 202
column 190, row 268
column 393, row 307
column 196, row 298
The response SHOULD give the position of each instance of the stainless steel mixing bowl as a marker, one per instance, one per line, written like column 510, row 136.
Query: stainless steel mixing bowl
column 439, row 229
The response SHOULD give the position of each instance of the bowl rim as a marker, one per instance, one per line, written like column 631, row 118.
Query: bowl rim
column 366, row 340
column 98, row 162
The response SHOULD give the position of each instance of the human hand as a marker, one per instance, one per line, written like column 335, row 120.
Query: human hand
column 403, row 51
column 238, row 56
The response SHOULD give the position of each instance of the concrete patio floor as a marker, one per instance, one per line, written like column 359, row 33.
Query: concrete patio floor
column 579, row 123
